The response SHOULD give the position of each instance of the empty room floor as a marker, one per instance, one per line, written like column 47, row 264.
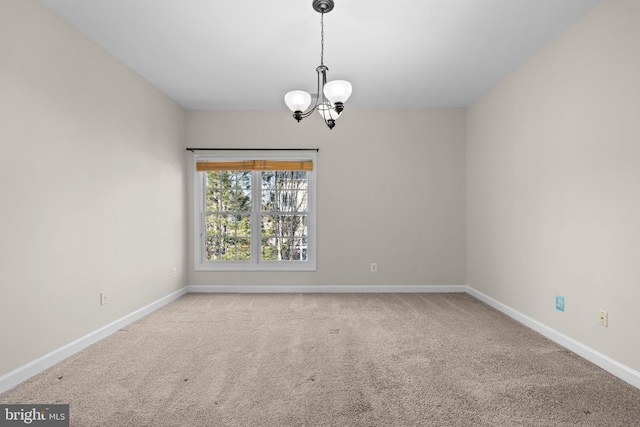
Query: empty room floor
column 330, row 360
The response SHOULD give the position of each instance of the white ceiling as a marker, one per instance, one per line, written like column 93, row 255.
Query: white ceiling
column 208, row 54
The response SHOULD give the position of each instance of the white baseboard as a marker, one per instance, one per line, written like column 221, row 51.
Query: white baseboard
column 618, row 369
column 23, row 373
column 316, row 289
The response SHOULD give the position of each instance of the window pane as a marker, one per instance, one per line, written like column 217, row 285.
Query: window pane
column 284, row 200
column 269, row 200
column 284, row 249
column 212, row 225
column 301, row 249
column 268, row 179
column 296, row 249
column 228, row 191
column 268, row 250
column 243, row 225
column 284, row 225
column 284, row 191
column 219, row 179
column 287, row 179
column 212, row 248
column 300, row 226
column 293, row 201
column 268, row 225
column 228, row 225
column 243, row 249
column 227, row 248
column 302, row 178
column 227, row 237
column 236, row 225
column 213, row 200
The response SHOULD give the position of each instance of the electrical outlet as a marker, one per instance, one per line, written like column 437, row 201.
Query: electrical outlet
column 603, row 318
column 103, row 298
column 374, row 267
column 559, row 303
column 175, row 271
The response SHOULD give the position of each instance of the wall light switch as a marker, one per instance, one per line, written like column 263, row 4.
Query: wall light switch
column 559, row 303
column 103, row 298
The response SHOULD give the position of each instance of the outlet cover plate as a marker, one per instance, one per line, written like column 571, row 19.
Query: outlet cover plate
column 603, row 318
column 559, row 303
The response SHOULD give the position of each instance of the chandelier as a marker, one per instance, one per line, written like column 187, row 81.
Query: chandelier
column 331, row 96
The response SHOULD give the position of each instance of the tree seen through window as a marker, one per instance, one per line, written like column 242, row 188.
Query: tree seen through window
column 282, row 213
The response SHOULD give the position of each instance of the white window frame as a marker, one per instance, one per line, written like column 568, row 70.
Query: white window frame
column 255, row 264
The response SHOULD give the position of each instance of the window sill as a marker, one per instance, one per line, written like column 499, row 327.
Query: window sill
column 266, row 266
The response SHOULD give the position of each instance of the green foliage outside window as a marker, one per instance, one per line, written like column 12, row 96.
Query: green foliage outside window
column 228, row 215
column 283, row 213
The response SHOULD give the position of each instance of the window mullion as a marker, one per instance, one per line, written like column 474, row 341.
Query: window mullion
column 203, row 211
column 256, row 209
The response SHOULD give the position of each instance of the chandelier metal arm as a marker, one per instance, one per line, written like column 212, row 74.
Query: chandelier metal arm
column 321, row 99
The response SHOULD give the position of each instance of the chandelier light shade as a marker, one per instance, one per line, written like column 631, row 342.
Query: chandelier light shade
column 337, row 91
column 328, row 113
column 330, row 96
column 297, row 100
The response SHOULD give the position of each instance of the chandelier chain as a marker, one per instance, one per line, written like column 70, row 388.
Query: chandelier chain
column 322, row 39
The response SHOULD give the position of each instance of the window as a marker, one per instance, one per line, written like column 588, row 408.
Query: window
column 255, row 211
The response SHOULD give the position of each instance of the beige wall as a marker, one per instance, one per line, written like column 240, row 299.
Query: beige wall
column 92, row 183
column 390, row 190
column 553, row 184
column 96, row 187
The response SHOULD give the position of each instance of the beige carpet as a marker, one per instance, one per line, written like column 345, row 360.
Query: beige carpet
column 331, row 360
